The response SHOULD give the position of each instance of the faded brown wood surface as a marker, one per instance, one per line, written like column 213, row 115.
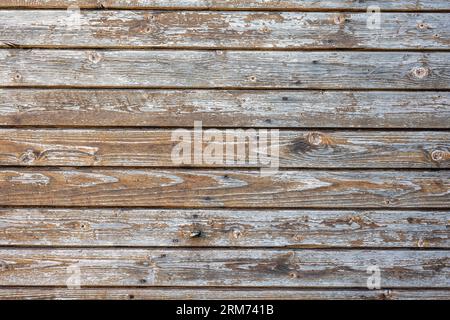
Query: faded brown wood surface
column 224, row 108
column 224, row 188
column 225, row 228
column 203, row 29
column 309, row 149
column 234, row 4
column 89, row 100
column 224, row 69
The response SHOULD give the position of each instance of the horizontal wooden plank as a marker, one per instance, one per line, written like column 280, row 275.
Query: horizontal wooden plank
column 233, row 5
column 225, row 188
column 297, row 149
column 225, row 69
column 217, row 294
column 224, row 108
column 170, row 267
column 201, row 29
column 229, row 228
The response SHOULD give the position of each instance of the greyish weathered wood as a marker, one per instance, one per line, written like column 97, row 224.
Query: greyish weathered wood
column 148, row 293
column 225, row 188
column 233, row 5
column 224, row 69
column 207, row 267
column 297, row 149
column 229, row 228
column 229, row 108
column 204, row 29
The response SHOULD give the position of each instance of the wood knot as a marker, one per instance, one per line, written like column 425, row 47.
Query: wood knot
column 195, row 234
column 236, row 233
column 28, row 157
column 439, row 155
column 340, row 19
column 94, row 57
column 420, row 72
column 314, row 138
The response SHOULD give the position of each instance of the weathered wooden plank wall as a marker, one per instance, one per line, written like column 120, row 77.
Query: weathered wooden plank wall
column 88, row 107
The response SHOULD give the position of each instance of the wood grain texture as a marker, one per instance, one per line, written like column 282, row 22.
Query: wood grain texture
column 224, row 108
column 204, row 29
column 234, row 4
column 224, row 69
column 297, row 149
column 229, row 228
column 217, row 294
column 87, row 183
column 225, row 188
column 206, row 267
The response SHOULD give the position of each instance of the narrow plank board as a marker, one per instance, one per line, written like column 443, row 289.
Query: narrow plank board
column 225, row 69
column 200, row 267
column 233, row 5
column 217, row 294
column 224, row 228
column 202, row 29
column 225, row 188
column 224, row 108
column 297, row 149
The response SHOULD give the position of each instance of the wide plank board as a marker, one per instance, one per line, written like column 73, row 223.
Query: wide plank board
column 44, row 293
column 224, row 228
column 208, row 267
column 224, row 108
column 224, row 188
column 224, row 69
column 203, row 29
column 297, row 149
column 232, row 5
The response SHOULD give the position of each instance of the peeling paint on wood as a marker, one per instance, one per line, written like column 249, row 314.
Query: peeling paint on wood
column 208, row 267
column 225, row 188
column 224, row 108
column 229, row 228
column 207, row 69
column 87, row 109
column 233, row 5
column 203, row 29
